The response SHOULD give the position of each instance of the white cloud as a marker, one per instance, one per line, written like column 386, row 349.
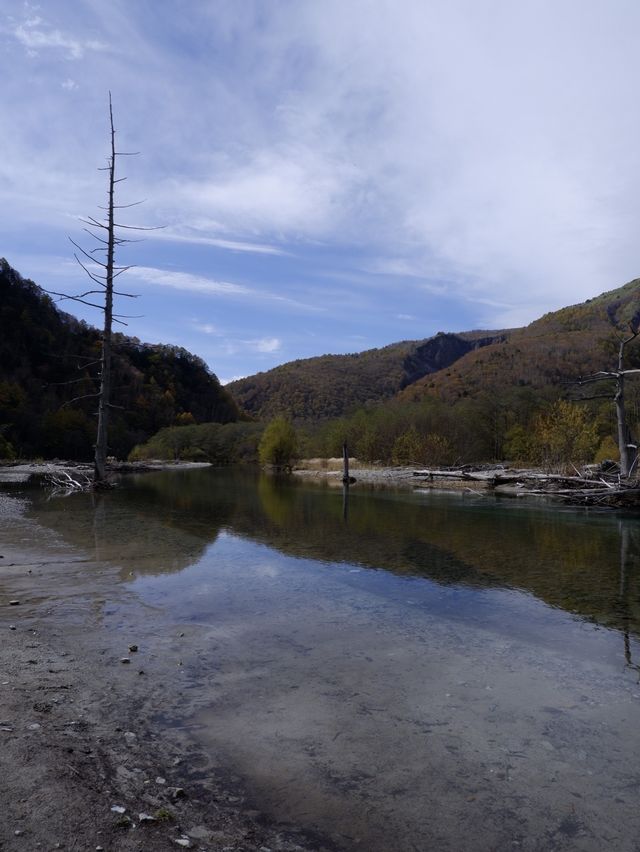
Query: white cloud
column 187, row 281
column 34, row 37
column 218, row 242
column 69, row 85
column 265, row 344
column 206, row 328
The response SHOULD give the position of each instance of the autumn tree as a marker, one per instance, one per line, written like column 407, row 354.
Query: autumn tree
column 279, row 443
column 564, row 434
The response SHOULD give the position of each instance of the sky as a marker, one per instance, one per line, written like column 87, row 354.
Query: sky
column 326, row 176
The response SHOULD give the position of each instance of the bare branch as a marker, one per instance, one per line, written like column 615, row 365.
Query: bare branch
column 139, row 227
column 78, row 398
column 87, row 255
column 97, row 278
column 123, row 206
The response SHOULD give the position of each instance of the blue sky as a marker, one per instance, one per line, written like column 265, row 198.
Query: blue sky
column 330, row 175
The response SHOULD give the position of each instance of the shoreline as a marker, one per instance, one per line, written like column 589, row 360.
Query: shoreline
column 86, row 751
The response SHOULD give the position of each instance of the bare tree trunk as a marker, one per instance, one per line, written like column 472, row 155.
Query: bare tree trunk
column 625, row 447
column 105, row 372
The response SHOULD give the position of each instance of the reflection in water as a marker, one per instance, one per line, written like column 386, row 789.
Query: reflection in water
column 421, row 706
column 584, row 562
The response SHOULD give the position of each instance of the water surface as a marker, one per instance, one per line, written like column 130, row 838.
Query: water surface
column 402, row 670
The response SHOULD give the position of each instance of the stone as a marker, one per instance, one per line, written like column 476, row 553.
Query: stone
column 146, row 818
column 125, row 660
column 133, row 648
column 14, row 603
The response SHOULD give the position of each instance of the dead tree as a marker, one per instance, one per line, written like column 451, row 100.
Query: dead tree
column 99, row 264
column 626, row 445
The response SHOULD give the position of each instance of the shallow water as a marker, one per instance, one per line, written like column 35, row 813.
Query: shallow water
column 398, row 670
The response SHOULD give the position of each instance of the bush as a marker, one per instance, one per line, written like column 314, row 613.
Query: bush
column 279, row 443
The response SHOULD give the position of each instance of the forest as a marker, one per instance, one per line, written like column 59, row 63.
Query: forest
column 447, row 400
column 48, row 381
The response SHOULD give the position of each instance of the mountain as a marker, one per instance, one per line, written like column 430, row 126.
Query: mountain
column 551, row 352
column 332, row 385
column 542, row 357
column 48, row 358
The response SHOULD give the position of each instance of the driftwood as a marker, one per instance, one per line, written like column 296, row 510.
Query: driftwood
column 606, row 490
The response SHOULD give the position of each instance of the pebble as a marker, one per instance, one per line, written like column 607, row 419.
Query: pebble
column 125, row 660
column 12, row 627
column 183, row 841
column 18, row 832
column 161, row 780
column 146, row 818
column 14, row 603
column 118, row 809
column 130, row 737
column 133, row 648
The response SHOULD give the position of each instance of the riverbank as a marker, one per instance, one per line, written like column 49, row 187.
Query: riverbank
column 331, row 472
column 21, row 472
column 87, row 759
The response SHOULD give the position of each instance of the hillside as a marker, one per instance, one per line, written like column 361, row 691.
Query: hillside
column 549, row 353
column 47, row 358
column 332, row 385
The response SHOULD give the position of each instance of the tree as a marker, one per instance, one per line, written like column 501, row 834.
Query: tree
column 627, row 446
column 106, row 233
column 564, row 434
column 279, row 443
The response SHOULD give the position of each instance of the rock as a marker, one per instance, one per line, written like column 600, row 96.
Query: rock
column 146, row 818
column 199, row 832
column 133, row 648
column 125, row 660
column 34, row 726
column 176, row 792
column 130, row 737
column 14, row 603
column 118, row 809
column 18, row 832
column 12, row 627
column 183, row 841
column 160, row 780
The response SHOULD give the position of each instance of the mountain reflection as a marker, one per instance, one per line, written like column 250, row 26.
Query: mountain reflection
column 585, row 563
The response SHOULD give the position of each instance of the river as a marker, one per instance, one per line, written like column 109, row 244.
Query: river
column 398, row 670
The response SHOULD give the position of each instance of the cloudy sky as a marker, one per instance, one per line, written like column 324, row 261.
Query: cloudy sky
column 330, row 175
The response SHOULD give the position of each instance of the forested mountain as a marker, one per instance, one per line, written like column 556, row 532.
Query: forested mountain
column 48, row 358
column 552, row 351
column 467, row 397
column 555, row 349
column 331, row 385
